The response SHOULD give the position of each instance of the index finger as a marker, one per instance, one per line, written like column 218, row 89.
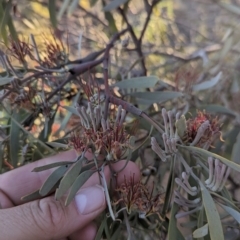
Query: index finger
column 22, row 181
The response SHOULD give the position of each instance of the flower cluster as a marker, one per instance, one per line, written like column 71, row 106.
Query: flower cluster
column 108, row 138
column 218, row 174
column 195, row 204
column 137, row 197
column 201, row 130
column 170, row 137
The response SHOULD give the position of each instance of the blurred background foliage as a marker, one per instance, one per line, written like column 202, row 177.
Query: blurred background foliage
column 191, row 46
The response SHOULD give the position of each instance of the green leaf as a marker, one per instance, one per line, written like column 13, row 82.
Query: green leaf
column 235, row 152
column 57, row 145
column 51, row 165
column 31, row 197
column 72, row 7
column 68, row 115
column 6, row 80
column 214, row 222
column 181, row 126
column 14, row 138
column 71, row 109
column 155, row 97
column 235, row 214
column 173, row 231
column 78, row 183
column 63, row 8
column 52, row 12
column 138, row 82
column 206, row 153
column 4, row 17
column 207, row 84
column 114, row 4
column 12, row 30
column 201, row 232
column 218, row 109
column 52, row 180
column 111, row 22
column 68, row 179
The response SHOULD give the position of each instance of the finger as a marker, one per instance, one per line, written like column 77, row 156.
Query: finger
column 20, row 182
column 50, row 219
column 87, row 233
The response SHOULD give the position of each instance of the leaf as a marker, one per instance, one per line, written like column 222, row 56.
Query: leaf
column 68, row 179
column 6, row 80
column 68, row 115
column 218, row 109
column 12, row 30
column 57, row 145
column 78, row 183
column 214, row 222
column 52, row 180
column 235, row 214
column 181, row 126
column 72, row 7
column 93, row 2
column 111, row 22
column 5, row 10
column 51, row 165
column 235, row 152
column 207, row 84
column 230, row 7
column 114, row 4
column 139, row 82
column 14, row 138
column 173, row 231
column 63, row 9
column 201, row 232
column 31, row 197
column 155, row 97
column 52, row 12
column 206, row 153
column 71, row 109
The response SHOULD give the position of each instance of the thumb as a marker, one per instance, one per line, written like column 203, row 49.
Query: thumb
column 49, row 219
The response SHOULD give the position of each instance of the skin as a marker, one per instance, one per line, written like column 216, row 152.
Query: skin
column 47, row 218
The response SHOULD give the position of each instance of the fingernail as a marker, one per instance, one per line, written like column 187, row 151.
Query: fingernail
column 90, row 199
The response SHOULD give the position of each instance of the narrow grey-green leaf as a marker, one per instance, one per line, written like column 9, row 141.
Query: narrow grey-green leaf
column 173, row 231
column 138, row 82
column 31, row 196
column 201, row 232
column 111, row 22
column 235, row 152
column 206, row 153
column 155, row 97
column 68, row 179
column 81, row 179
column 114, row 4
column 63, row 8
column 51, row 165
column 52, row 180
column 57, row 145
column 207, row 84
column 12, row 29
column 15, row 138
column 6, row 80
column 52, row 12
column 218, row 109
column 71, row 109
column 68, row 115
column 235, row 214
column 233, row 8
column 214, row 222
column 72, row 7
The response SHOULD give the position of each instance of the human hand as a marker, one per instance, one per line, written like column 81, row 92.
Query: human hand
column 47, row 218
